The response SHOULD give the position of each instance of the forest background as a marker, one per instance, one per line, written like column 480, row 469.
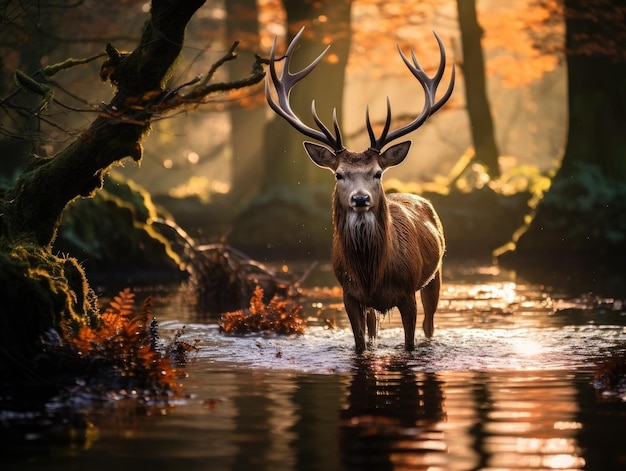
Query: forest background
column 227, row 170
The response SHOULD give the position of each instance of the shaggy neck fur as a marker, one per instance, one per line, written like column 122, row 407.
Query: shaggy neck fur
column 363, row 242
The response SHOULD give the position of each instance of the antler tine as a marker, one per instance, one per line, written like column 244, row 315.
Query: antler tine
column 430, row 106
column 337, row 137
column 373, row 141
column 283, row 86
column 439, row 75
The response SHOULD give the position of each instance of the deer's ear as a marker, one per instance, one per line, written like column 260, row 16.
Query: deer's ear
column 394, row 155
column 321, row 155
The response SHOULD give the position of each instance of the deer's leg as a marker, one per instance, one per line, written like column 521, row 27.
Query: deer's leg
column 371, row 320
column 430, row 299
column 408, row 312
column 356, row 314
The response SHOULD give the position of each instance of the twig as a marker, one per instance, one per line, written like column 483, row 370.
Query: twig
column 229, row 56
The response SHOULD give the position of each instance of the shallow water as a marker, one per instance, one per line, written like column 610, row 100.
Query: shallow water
column 506, row 383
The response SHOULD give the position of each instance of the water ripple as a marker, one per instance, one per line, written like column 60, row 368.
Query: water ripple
column 322, row 350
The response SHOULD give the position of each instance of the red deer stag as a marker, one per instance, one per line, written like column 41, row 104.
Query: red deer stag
column 385, row 248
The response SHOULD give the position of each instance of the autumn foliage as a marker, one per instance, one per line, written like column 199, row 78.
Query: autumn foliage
column 126, row 342
column 281, row 316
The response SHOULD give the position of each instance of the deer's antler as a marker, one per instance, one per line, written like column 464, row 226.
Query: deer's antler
column 430, row 107
column 283, row 86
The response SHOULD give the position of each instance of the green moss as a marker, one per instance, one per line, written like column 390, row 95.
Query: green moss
column 113, row 234
column 38, row 292
column 582, row 215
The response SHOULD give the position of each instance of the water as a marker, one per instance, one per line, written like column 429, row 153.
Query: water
column 506, row 383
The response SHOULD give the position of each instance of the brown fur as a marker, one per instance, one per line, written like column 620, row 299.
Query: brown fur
column 381, row 262
column 384, row 248
column 383, row 255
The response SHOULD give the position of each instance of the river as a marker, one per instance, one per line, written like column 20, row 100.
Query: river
column 506, row 383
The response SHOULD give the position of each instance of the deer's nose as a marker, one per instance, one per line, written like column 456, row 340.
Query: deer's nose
column 360, row 201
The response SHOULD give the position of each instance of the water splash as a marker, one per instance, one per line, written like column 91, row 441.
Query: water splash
column 326, row 351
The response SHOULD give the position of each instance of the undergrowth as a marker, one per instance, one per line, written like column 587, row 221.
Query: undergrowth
column 123, row 351
column 281, row 316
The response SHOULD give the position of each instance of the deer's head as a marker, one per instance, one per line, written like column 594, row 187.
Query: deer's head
column 358, row 175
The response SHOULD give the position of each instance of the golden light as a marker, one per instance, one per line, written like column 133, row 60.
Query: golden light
column 564, row 461
column 168, row 163
column 527, row 347
column 193, row 157
column 219, row 186
column 332, row 58
column 568, row 426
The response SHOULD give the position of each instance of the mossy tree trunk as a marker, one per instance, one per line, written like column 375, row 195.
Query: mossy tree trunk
column 39, row 290
column 33, row 207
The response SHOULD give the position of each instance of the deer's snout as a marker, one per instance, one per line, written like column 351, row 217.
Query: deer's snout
column 360, row 202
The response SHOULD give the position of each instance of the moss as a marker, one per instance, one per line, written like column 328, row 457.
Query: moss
column 112, row 233
column 581, row 216
column 38, row 292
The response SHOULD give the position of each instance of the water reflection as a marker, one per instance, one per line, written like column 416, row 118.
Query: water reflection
column 528, row 421
column 398, row 418
column 386, row 413
column 504, row 384
column 392, row 417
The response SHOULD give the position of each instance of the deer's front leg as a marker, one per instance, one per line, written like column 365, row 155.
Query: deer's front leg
column 356, row 314
column 371, row 320
column 408, row 312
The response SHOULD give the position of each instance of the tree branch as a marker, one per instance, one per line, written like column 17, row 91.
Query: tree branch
column 32, row 208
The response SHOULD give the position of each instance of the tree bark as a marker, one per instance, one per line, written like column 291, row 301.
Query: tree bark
column 579, row 222
column 596, row 75
column 33, row 207
column 473, row 67
column 41, row 291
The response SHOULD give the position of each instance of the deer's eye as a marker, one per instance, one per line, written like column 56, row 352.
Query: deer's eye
column 378, row 175
column 338, row 176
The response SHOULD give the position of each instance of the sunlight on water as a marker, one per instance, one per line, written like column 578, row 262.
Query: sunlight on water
column 504, row 384
column 496, row 388
column 482, row 326
column 331, row 351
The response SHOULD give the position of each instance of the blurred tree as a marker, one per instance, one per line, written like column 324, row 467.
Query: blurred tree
column 248, row 118
column 481, row 123
column 580, row 219
column 596, row 75
column 290, row 212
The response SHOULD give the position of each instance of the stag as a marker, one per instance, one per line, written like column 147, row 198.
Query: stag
column 385, row 247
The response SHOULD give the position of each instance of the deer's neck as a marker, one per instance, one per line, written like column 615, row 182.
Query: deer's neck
column 361, row 244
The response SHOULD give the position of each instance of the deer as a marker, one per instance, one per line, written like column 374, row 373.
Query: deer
column 385, row 247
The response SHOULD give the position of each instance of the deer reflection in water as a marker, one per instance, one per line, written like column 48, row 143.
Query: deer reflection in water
column 392, row 417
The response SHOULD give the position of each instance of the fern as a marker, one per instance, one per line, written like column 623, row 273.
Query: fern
column 126, row 340
column 123, row 303
column 280, row 316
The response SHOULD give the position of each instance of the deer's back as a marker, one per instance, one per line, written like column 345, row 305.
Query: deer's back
column 419, row 242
